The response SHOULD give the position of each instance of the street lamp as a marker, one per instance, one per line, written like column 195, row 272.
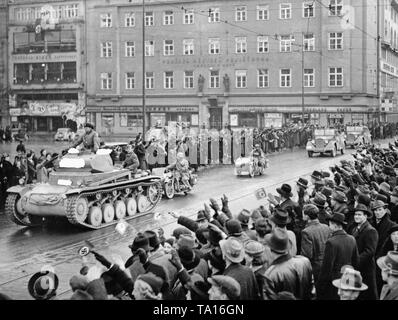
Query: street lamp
column 143, row 70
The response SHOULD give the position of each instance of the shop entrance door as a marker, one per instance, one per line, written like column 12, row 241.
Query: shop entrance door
column 215, row 118
column 42, row 124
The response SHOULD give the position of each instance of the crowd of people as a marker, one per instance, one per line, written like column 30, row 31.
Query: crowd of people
column 331, row 236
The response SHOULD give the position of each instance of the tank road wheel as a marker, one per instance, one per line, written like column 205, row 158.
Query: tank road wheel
column 142, row 203
column 108, row 212
column 120, row 209
column 14, row 211
column 169, row 189
column 131, row 206
column 95, row 216
column 77, row 209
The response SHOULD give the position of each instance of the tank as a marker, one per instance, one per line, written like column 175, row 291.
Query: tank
column 86, row 189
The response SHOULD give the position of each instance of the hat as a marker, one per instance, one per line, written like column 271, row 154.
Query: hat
column 233, row 227
column 394, row 228
column 364, row 209
column 329, row 183
column 381, row 197
column 350, row 280
column 89, row 125
column 362, row 189
column 43, row 285
column 256, row 214
column 201, row 216
column 327, row 192
column 244, row 217
column 320, row 182
column 385, row 187
column 377, row 204
column 341, row 189
column 189, row 259
column 278, row 240
column 285, row 190
column 154, row 241
column 253, row 248
column 177, row 232
column 319, row 200
column 215, row 237
column 233, row 250
column 395, row 192
column 280, row 217
column 228, row 285
column 339, row 197
column 390, row 262
column 303, row 183
column 140, row 241
column 216, row 259
column 316, row 175
column 187, row 240
column 337, row 217
column 311, row 211
column 154, row 281
column 364, row 199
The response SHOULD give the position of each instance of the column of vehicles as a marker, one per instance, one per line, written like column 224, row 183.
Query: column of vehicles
column 331, row 141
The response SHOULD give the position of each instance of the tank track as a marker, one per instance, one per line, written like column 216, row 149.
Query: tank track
column 11, row 212
column 71, row 203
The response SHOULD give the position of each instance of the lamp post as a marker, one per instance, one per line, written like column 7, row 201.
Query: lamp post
column 143, row 70
column 302, row 82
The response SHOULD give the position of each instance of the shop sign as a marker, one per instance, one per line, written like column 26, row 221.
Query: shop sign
column 42, row 57
column 272, row 115
column 233, row 119
column 258, row 109
column 15, row 112
column 387, row 68
column 70, row 110
column 172, row 109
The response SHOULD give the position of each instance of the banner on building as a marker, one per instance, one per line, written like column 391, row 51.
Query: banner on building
column 67, row 110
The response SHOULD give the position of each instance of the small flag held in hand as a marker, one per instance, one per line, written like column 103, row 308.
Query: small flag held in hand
column 121, row 227
column 261, row 194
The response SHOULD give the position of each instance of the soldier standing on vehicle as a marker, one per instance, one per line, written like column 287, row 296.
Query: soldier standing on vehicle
column 89, row 139
column 131, row 161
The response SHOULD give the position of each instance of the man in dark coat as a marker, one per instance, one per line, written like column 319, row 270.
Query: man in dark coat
column 366, row 237
column 340, row 249
column 233, row 253
column 131, row 161
column 382, row 223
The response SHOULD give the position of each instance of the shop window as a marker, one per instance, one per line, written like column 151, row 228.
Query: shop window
column 108, row 122
column 131, row 120
column 248, row 119
column 69, row 71
column 54, row 73
column 38, row 72
column 21, row 73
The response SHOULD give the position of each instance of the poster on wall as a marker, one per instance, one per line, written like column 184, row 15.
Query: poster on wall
column 273, row 120
column 123, row 119
column 195, row 119
column 233, row 119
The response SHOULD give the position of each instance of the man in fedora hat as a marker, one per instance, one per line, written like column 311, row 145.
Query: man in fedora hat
column 313, row 238
column 223, row 288
column 280, row 219
column 286, row 273
column 133, row 264
column 320, row 202
column 340, row 249
column 389, row 271
column 89, row 139
column 244, row 218
column 339, row 202
column 233, row 253
column 350, row 284
column 366, row 237
column 302, row 191
column 393, row 206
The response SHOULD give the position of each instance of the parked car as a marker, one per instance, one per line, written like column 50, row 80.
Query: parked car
column 358, row 136
column 326, row 141
column 64, row 134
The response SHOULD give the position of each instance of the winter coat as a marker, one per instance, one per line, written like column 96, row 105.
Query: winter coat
column 323, row 215
column 140, row 151
column 313, row 242
column 162, row 259
column 131, row 162
column 246, row 279
column 382, row 228
column 387, row 294
column 287, row 273
column 366, row 237
column 340, row 249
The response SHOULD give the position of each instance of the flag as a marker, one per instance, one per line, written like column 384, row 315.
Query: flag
column 260, row 194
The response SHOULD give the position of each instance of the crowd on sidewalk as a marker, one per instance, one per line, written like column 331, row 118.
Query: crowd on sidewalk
column 331, row 236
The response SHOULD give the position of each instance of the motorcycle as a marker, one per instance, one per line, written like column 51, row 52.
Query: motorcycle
column 170, row 184
column 249, row 166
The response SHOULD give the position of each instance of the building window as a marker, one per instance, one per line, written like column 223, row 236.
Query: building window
column 262, row 78
column 71, row 11
column 129, row 19
column 263, row 12
column 106, row 81
column 214, row 46
column 149, row 18
column 168, row 17
column 262, row 44
column 285, row 78
column 286, row 43
column 309, row 42
column 214, row 15
column 106, row 49
column 168, row 48
column 335, row 41
column 214, row 79
column 241, row 13
column 169, row 80
column 188, row 46
column 130, row 80
column 308, row 9
column 130, row 49
column 285, row 11
column 149, row 48
column 335, row 7
column 188, row 16
column 309, row 78
column 106, row 20
column 240, row 45
column 188, row 79
column 336, row 77
column 149, row 80
column 241, row 79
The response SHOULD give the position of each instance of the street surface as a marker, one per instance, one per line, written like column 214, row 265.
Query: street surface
column 24, row 251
